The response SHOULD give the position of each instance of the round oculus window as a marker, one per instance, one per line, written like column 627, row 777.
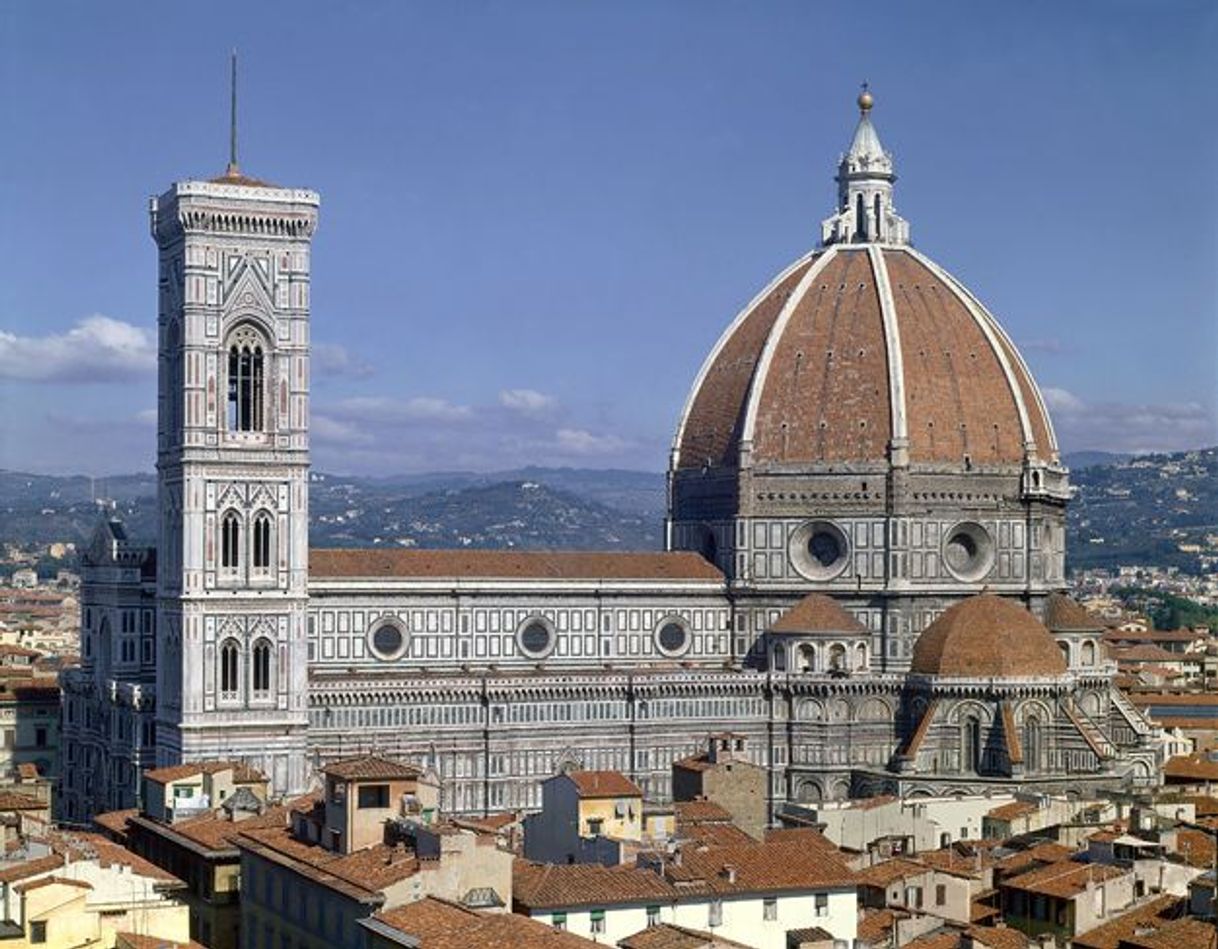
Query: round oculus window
column 968, row 552
column 819, row 550
column 536, row 637
column 387, row 641
column 672, row 636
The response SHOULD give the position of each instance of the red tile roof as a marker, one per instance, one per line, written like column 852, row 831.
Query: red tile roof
column 817, row 613
column 1063, row 614
column 669, row 936
column 599, row 784
column 555, row 886
column 987, row 636
column 554, row 565
column 242, row 773
column 440, row 924
column 1194, row 767
column 372, row 767
column 1065, row 880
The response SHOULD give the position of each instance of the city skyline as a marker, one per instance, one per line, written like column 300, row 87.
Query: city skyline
column 563, row 209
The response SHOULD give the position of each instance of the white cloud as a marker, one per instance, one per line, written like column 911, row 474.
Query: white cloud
column 330, row 360
column 577, row 441
column 97, row 349
column 324, row 430
column 386, row 409
column 146, row 417
column 526, row 401
column 1060, row 400
column 1126, row 427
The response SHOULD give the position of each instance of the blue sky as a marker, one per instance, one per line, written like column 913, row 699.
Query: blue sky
column 537, row 217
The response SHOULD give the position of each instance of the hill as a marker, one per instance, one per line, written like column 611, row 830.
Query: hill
column 1150, row 510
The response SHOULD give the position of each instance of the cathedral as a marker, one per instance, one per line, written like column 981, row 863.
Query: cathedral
column 862, row 578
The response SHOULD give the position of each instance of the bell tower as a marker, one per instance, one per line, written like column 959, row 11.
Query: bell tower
column 233, row 470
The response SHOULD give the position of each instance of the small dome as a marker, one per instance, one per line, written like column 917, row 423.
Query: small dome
column 1062, row 614
column 987, row 636
column 817, row 613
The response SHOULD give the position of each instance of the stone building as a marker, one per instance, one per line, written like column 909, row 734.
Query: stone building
column 863, row 450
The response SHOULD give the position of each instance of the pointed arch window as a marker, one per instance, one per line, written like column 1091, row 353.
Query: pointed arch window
column 971, row 752
column 262, row 667
column 246, row 380
column 1031, row 744
column 1088, row 653
column 261, row 554
column 230, row 667
column 230, row 542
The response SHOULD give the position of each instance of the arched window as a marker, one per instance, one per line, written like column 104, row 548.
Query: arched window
column 262, row 667
column 879, row 227
column 807, row 658
column 261, row 554
column 837, row 658
column 860, row 656
column 971, row 752
column 1031, row 744
column 1065, row 648
column 1088, row 653
column 230, row 541
column 174, row 396
column 230, row 654
column 246, row 381
column 780, row 658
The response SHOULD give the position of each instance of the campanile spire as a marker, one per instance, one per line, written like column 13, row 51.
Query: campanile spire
column 232, row 170
column 865, row 175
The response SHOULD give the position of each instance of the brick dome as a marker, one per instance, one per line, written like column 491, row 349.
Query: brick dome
column 855, row 350
column 987, row 636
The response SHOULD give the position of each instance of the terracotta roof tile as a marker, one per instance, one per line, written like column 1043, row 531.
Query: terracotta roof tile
column 889, row 871
column 757, row 867
column 1063, row 614
column 670, row 936
column 1012, row 811
column 16, row 801
column 29, row 868
column 817, row 613
column 1043, row 853
column 1186, row 933
column 52, row 881
column 597, row 784
column 1110, row 935
column 362, row 874
column 1065, row 880
column 547, row 565
column 440, row 924
column 545, row 886
column 115, row 821
column 987, row 636
column 242, row 773
column 1194, row 767
column 372, row 767
column 140, row 941
column 700, row 811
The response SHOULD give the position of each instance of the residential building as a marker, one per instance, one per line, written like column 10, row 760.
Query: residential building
column 724, row 775
column 1067, row 898
column 82, row 891
column 432, row 923
column 752, row 893
column 370, row 842
column 586, row 817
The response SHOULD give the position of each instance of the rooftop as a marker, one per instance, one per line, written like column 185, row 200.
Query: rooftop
column 599, row 784
column 987, row 636
column 1064, row 880
column 817, row 613
column 372, row 767
column 510, row 564
column 441, row 924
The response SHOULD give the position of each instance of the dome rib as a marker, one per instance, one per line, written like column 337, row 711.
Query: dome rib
column 988, row 326
column 681, row 445
column 896, row 363
column 777, row 331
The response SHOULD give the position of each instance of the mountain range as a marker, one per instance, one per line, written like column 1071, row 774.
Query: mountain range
column 1152, row 509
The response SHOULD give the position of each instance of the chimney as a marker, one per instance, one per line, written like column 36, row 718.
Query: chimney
column 728, row 873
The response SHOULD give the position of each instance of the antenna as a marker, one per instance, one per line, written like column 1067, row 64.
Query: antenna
column 232, row 169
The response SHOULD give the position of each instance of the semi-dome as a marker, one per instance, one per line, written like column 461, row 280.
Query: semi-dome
column 987, row 636
column 864, row 351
